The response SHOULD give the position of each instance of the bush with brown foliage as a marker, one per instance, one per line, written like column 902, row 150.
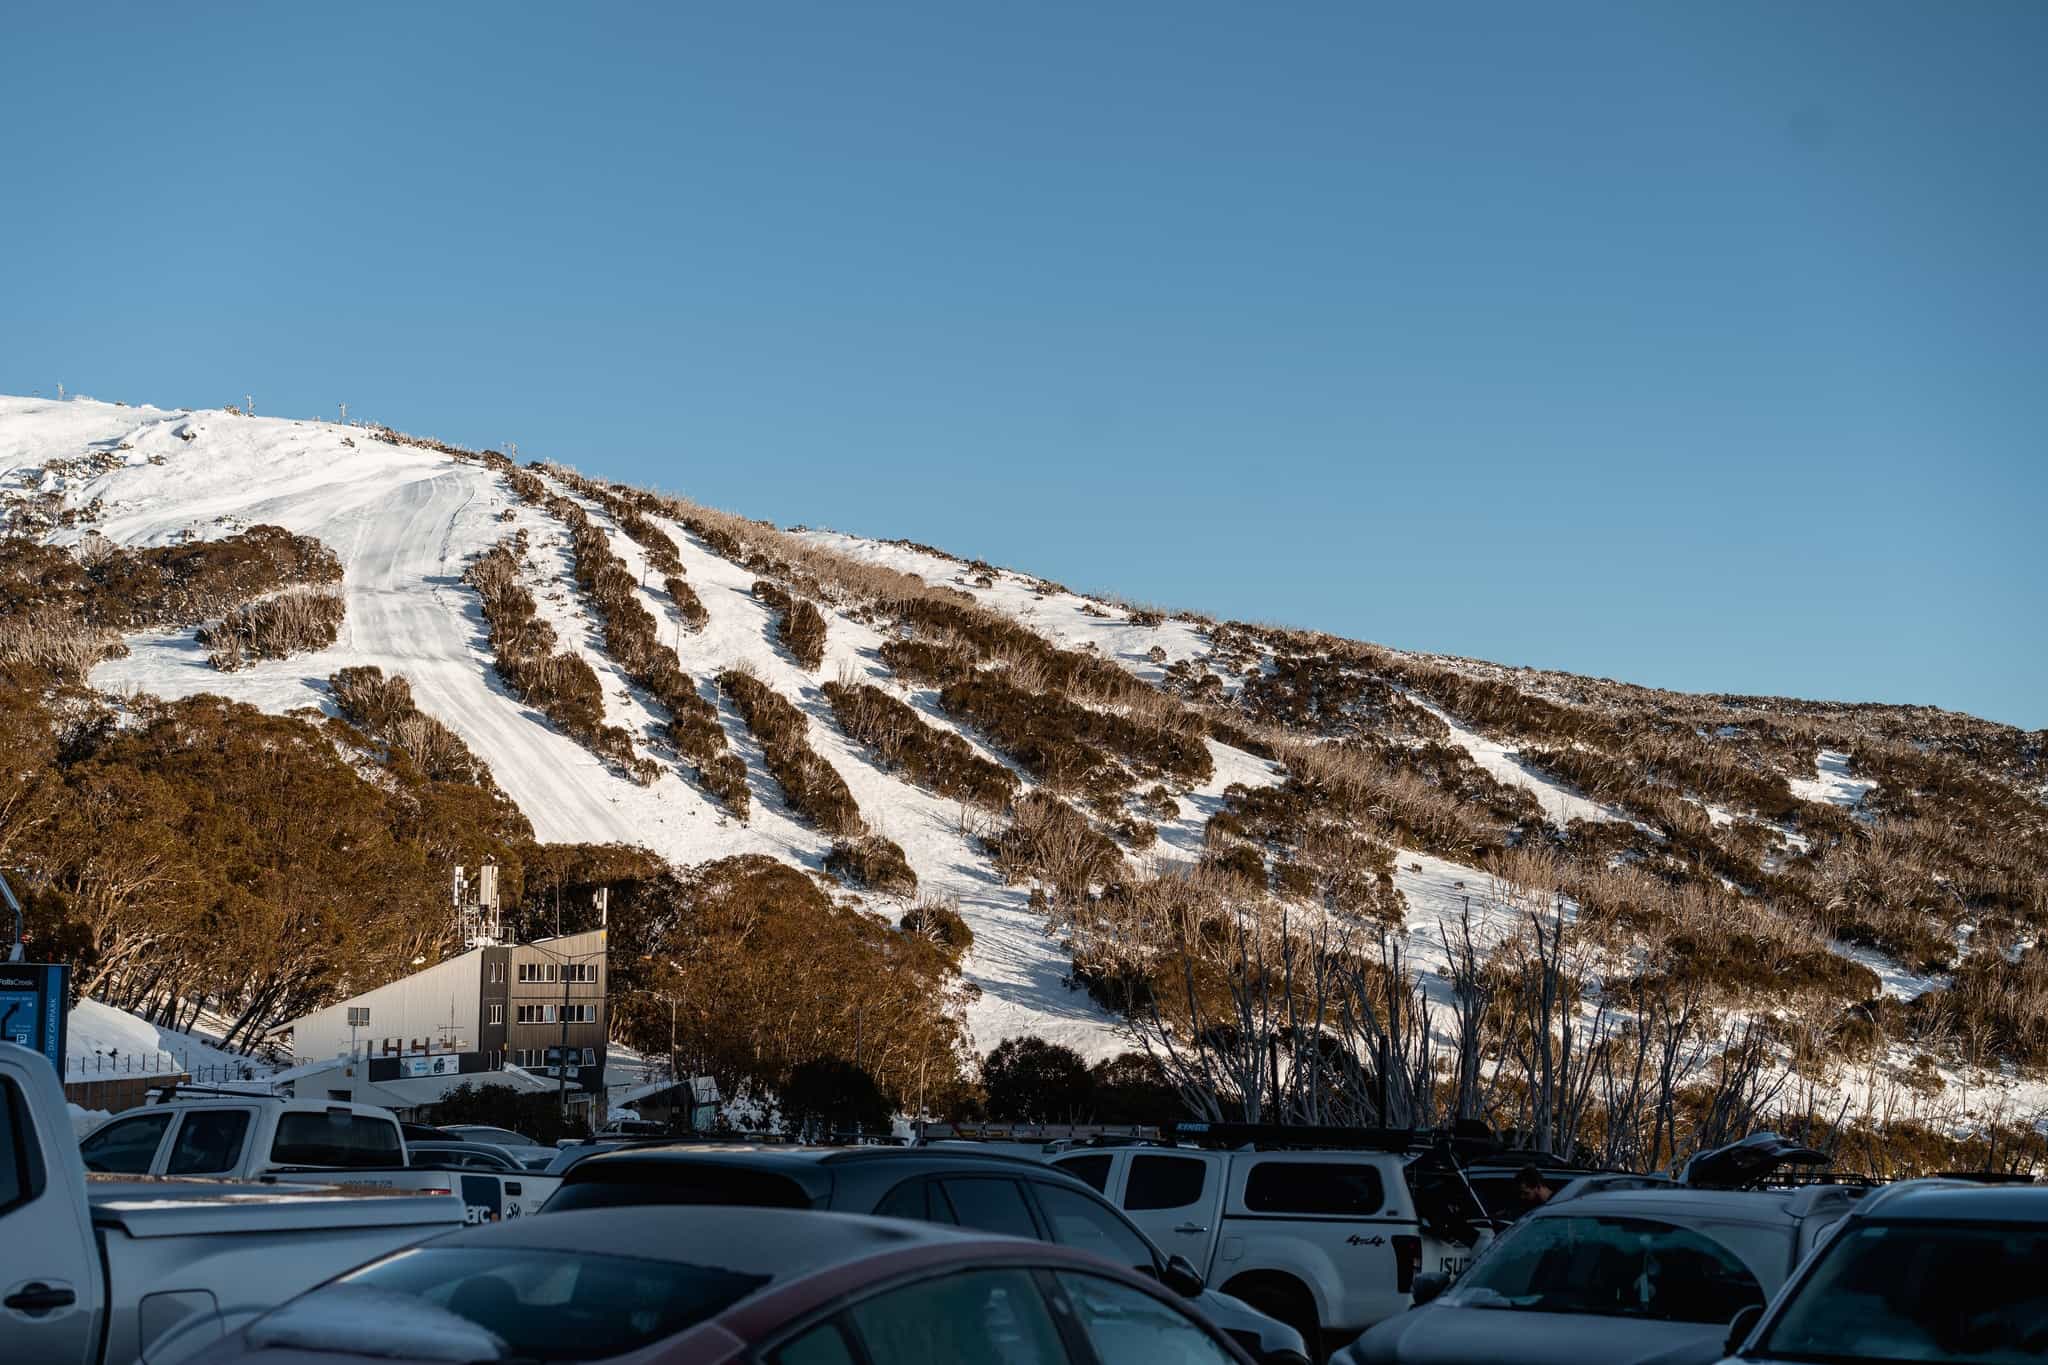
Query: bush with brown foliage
column 1049, row 840
column 527, row 487
column 296, row 621
column 633, row 641
column 1067, row 744
column 558, row 682
column 935, row 759
column 768, row 973
column 814, row 789
column 687, row 604
column 938, row 919
column 798, row 624
column 874, row 862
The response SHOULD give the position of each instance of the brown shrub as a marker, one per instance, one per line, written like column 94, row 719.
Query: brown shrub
column 798, row 624
column 688, row 605
column 938, row 918
column 814, row 789
column 873, row 862
column 298, row 621
column 936, row 759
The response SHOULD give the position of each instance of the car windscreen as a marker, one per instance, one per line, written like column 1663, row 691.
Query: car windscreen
column 620, row 1184
column 1914, row 1291
column 1611, row 1266
column 495, row 1303
column 336, row 1137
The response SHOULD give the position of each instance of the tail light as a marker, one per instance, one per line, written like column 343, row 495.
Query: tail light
column 1407, row 1263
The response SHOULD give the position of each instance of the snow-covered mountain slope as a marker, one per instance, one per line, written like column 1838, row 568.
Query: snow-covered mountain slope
column 1740, row 795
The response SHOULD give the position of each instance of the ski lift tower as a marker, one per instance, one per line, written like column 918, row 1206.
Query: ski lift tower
column 476, row 907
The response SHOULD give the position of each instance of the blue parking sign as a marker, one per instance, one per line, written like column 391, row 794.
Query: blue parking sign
column 33, row 998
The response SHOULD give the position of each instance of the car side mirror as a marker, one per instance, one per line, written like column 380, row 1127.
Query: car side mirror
column 1181, row 1277
column 1740, row 1326
column 1428, row 1286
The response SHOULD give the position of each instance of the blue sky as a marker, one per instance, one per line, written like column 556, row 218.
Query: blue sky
column 1703, row 346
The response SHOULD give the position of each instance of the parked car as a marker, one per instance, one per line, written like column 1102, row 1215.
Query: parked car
column 982, row 1190
column 1611, row 1275
column 234, row 1136
column 1926, row 1270
column 95, row 1272
column 1329, row 1242
column 722, row 1285
column 526, row 1188
column 483, row 1132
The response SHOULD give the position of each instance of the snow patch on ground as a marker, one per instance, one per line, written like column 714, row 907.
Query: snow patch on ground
column 1561, row 803
column 105, row 1043
column 1831, row 782
column 1898, row 983
column 1068, row 619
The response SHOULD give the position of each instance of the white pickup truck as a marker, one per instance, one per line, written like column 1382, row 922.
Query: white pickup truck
column 1328, row 1242
column 271, row 1138
column 112, row 1270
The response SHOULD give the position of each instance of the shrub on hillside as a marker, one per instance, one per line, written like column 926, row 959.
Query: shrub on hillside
column 936, row 759
column 558, row 682
column 814, row 789
column 938, row 918
column 633, row 640
column 688, row 605
column 874, row 862
column 1067, row 744
column 298, row 621
column 1050, row 840
column 798, row 624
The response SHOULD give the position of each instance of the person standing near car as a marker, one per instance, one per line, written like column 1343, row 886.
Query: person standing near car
column 1532, row 1191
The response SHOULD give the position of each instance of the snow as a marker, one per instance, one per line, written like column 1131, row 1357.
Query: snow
column 1068, row 619
column 1831, row 782
column 1561, row 804
column 84, row 1120
column 405, row 521
column 1897, row 982
column 104, row 1043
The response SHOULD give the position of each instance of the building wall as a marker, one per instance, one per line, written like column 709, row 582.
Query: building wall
column 530, row 1040
column 439, row 1006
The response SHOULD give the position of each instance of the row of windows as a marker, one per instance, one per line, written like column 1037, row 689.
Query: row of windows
column 550, row 1014
column 535, row 1057
column 572, row 972
column 1174, row 1182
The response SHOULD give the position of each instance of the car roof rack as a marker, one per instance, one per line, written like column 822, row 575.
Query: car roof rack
column 1267, row 1137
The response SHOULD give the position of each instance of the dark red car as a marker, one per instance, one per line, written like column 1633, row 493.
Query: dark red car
column 712, row 1284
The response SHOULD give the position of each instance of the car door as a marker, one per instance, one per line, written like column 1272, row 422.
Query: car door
column 127, row 1146
column 50, row 1295
column 1176, row 1199
column 1074, row 1219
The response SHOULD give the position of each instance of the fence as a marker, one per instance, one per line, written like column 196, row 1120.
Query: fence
column 101, row 1066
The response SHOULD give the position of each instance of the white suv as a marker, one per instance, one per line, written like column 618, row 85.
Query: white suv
column 1328, row 1242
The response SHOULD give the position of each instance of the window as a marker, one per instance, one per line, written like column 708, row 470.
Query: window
column 336, row 1137
column 1166, row 1182
column 975, row 1315
column 19, row 1169
column 992, row 1206
column 1123, row 1323
column 590, row 1053
column 533, row 1304
column 820, row 1346
column 1613, row 1267
column 1321, row 1187
column 208, row 1142
column 1921, row 1291
column 1093, row 1168
column 125, row 1147
column 908, row 1201
column 1083, row 1223
column 497, row 1014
